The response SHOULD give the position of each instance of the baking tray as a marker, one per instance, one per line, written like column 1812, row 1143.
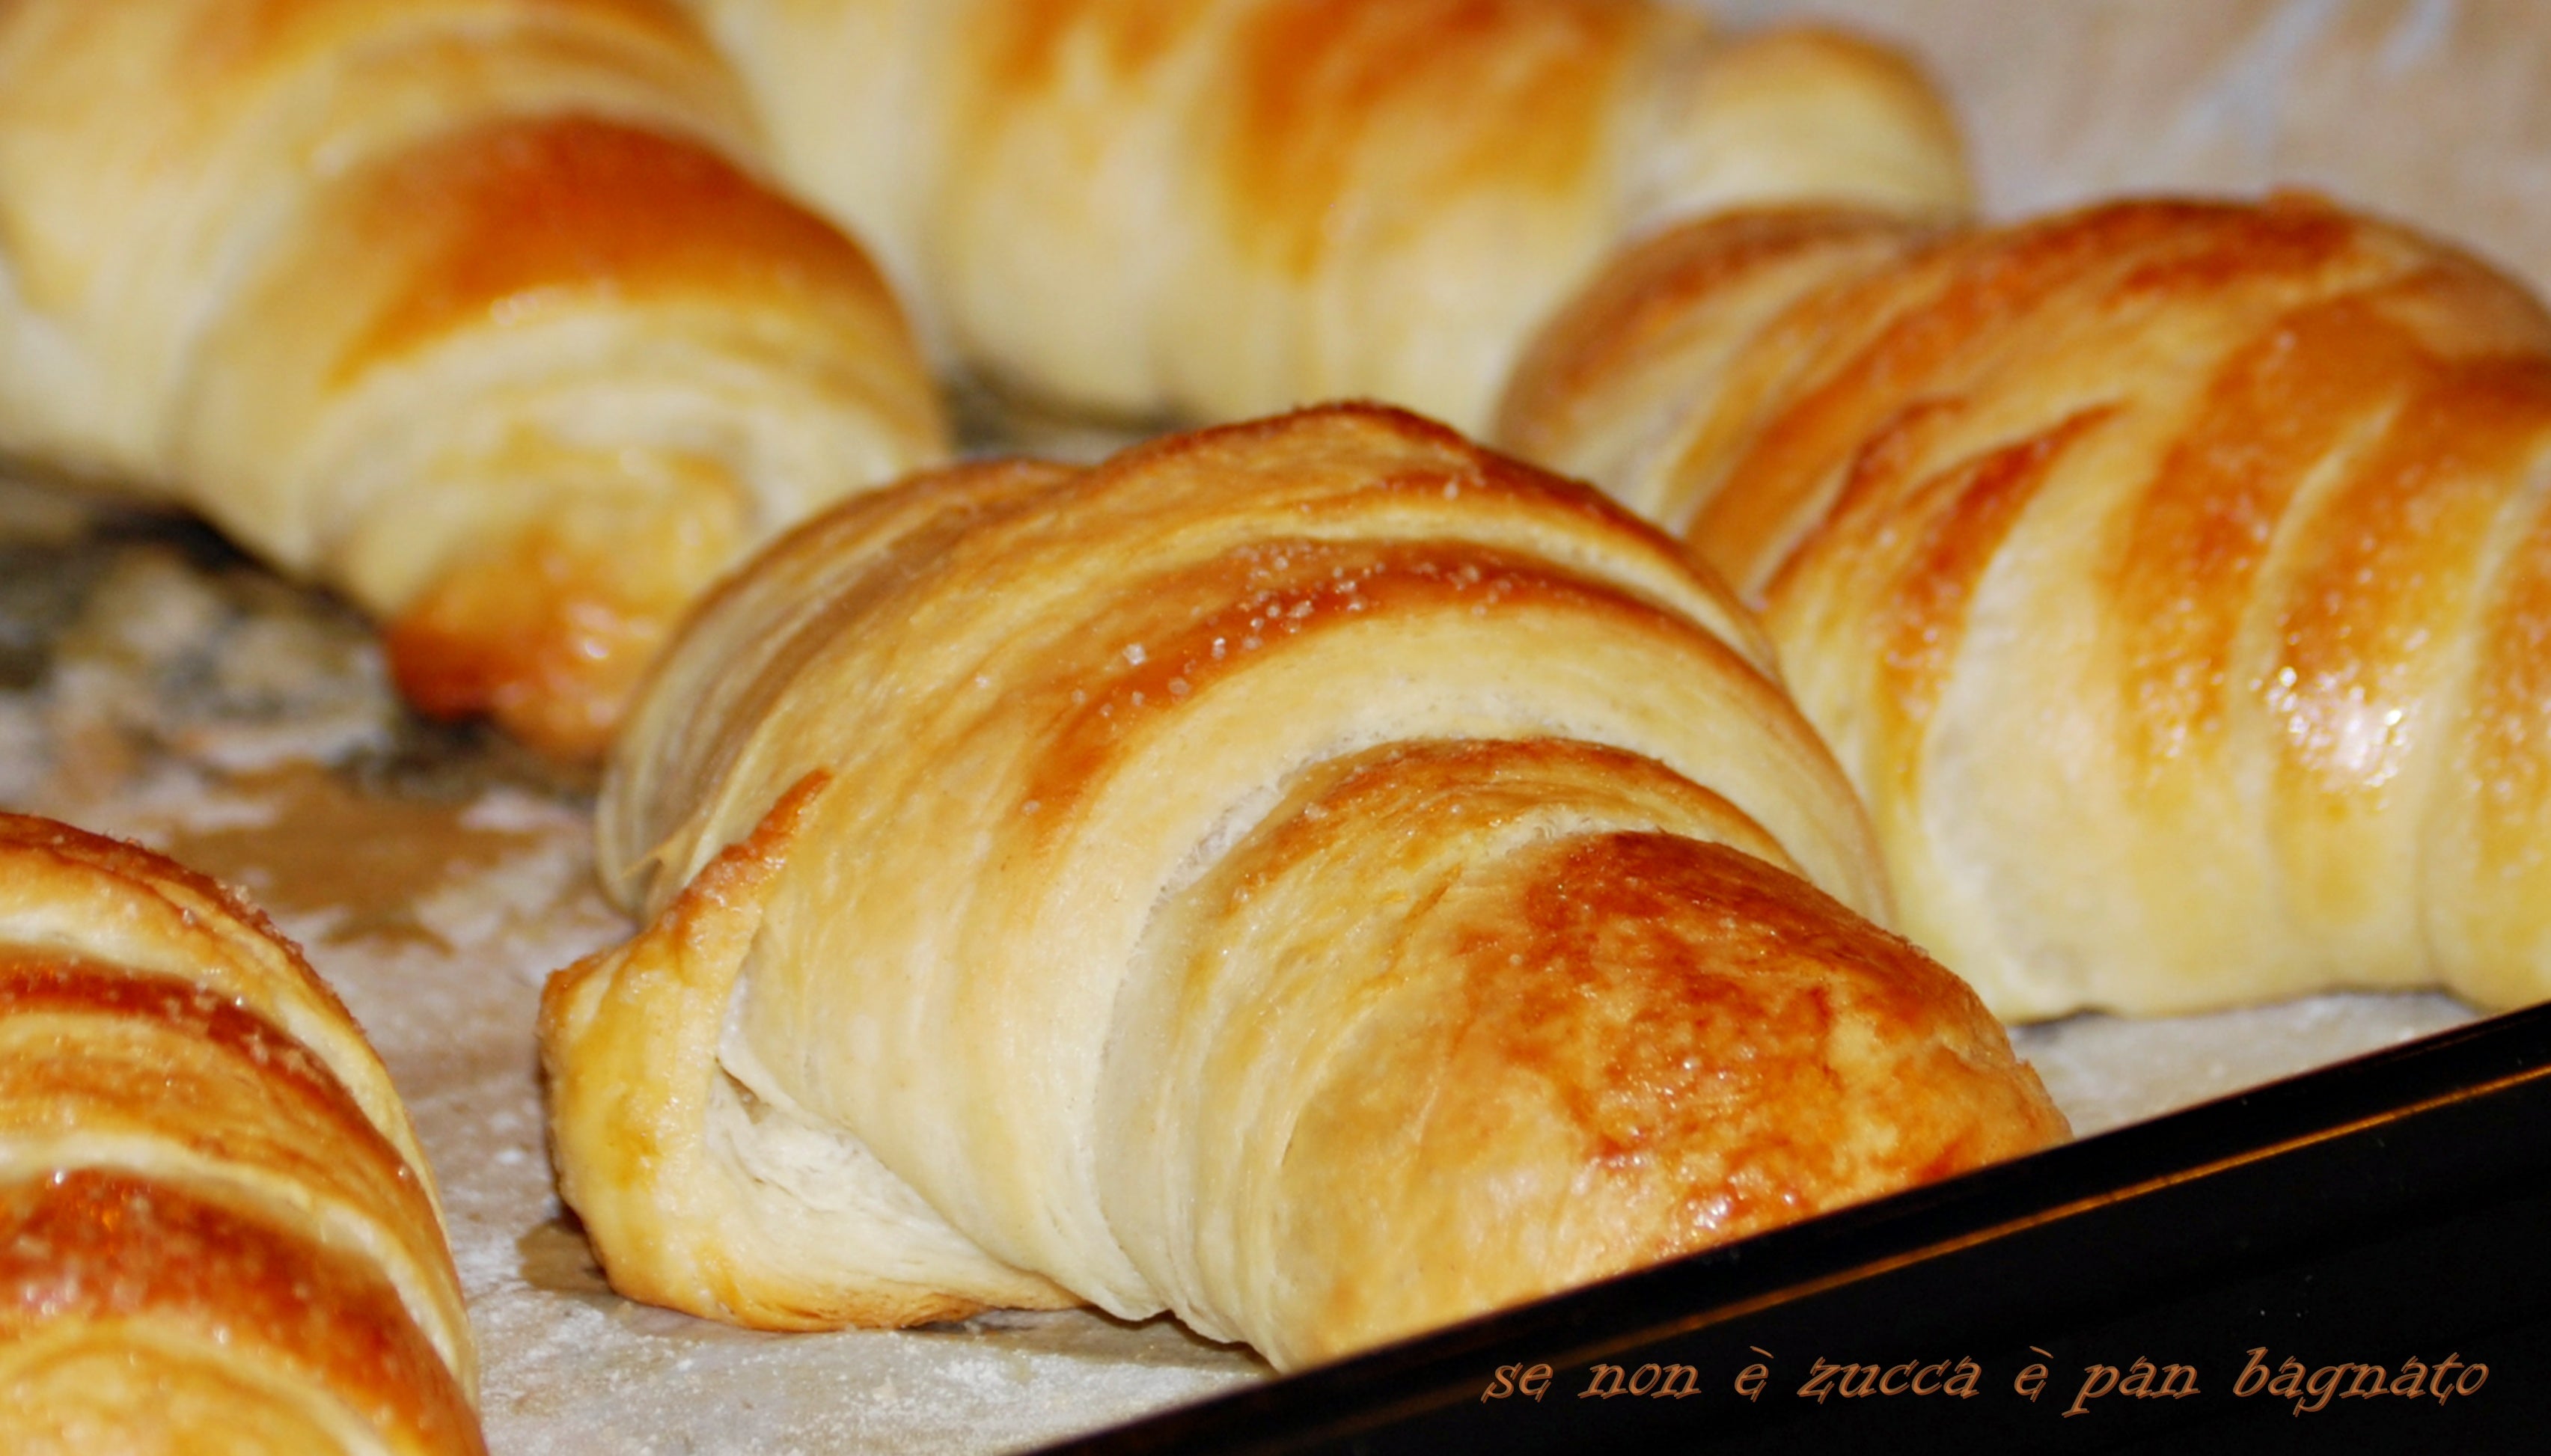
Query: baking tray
column 2386, row 1210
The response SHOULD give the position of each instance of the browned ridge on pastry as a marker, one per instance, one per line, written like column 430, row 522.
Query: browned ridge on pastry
column 1314, row 876
column 217, row 1231
column 474, row 311
column 1208, row 209
column 2174, row 578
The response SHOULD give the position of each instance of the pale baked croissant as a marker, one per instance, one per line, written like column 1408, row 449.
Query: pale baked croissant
column 1312, row 876
column 471, row 310
column 217, row 1231
column 2172, row 578
column 1211, row 209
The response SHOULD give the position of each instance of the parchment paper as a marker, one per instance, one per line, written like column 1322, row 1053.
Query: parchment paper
column 152, row 686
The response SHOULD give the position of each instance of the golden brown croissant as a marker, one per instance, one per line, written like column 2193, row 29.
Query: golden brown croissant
column 1221, row 208
column 217, row 1231
column 2172, row 578
column 1312, row 876
column 471, row 310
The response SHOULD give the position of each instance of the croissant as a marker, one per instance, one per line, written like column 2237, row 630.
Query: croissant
column 1312, row 876
column 217, row 1232
column 2171, row 576
column 1212, row 209
column 474, row 311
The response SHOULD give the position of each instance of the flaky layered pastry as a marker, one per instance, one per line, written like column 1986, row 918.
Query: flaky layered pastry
column 1314, row 876
column 217, row 1231
column 2172, row 578
column 1211, row 209
column 471, row 310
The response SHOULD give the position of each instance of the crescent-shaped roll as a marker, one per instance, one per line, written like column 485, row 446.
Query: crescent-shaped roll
column 217, row 1231
column 1314, row 876
column 2172, row 578
column 1212, row 209
column 474, row 311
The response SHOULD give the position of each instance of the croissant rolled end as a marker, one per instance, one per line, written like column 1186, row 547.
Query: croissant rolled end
column 548, row 639
column 639, row 1115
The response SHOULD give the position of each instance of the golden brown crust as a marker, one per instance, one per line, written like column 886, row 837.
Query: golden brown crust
column 1585, row 397
column 1937, row 323
column 1600, row 1024
column 68, row 889
column 1697, row 1038
column 1313, row 81
column 1162, row 801
column 89, row 1249
column 524, row 210
column 218, row 1228
column 2155, row 567
column 153, row 1042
